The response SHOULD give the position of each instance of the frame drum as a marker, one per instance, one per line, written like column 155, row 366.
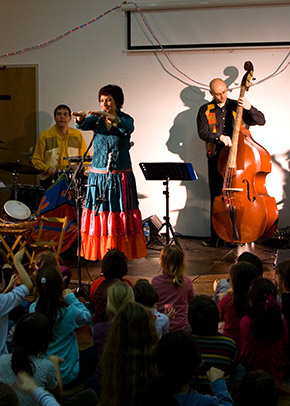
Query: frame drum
column 17, row 211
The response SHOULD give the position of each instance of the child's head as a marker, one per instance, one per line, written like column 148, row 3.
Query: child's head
column 119, row 293
column 49, row 291
column 30, row 337
column 255, row 388
column 172, row 263
column 8, row 396
column 135, row 325
column 45, row 259
column 178, row 358
column 253, row 259
column 241, row 276
column 203, row 316
column 127, row 361
column 145, row 293
column 283, row 275
column 265, row 311
column 114, row 265
column 49, row 282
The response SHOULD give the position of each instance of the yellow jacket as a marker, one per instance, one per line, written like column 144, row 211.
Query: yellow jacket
column 51, row 148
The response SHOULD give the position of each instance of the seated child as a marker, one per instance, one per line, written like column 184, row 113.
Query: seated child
column 146, row 295
column 216, row 349
column 173, row 287
column 178, row 359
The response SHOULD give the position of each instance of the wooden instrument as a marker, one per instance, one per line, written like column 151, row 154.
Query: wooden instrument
column 244, row 212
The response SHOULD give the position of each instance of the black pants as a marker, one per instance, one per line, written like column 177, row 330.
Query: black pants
column 215, row 181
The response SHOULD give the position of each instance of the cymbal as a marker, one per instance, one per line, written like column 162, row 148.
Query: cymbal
column 18, row 168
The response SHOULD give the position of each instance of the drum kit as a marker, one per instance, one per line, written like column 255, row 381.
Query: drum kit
column 24, row 198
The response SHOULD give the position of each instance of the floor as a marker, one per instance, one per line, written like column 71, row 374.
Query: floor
column 204, row 264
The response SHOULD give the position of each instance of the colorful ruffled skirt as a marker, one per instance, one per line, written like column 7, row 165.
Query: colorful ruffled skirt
column 117, row 222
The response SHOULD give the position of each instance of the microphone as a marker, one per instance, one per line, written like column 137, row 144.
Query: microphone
column 111, row 157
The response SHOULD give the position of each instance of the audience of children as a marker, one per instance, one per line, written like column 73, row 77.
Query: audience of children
column 173, row 288
column 65, row 314
column 232, row 307
column 146, row 295
column 141, row 362
column 216, row 349
column 264, row 333
column 127, row 363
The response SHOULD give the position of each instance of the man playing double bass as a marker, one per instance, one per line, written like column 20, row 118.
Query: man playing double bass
column 215, row 122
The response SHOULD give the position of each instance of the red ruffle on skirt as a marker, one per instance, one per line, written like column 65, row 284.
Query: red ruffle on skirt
column 108, row 230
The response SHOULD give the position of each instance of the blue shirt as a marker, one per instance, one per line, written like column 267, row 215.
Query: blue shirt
column 65, row 343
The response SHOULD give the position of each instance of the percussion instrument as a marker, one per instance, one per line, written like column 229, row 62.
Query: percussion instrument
column 17, row 167
column 77, row 159
column 16, row 211
column 30, row 195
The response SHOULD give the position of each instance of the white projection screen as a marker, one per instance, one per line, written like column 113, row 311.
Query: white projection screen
column 225, row 27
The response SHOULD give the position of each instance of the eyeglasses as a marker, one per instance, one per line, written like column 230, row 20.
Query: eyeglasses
column 220, row 94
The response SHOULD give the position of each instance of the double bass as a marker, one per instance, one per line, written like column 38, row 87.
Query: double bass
column 244, row 212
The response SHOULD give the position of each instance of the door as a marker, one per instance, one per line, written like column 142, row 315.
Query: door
column 17, row 124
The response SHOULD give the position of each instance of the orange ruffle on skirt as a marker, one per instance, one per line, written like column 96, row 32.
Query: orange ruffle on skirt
column 107, row 230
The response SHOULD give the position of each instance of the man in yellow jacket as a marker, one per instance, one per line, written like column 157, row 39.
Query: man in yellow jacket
column 55, row 144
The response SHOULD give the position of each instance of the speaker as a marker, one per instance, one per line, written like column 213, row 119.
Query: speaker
column 154, row 223
column 281, row 256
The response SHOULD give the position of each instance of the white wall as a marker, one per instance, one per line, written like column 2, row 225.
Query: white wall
column 73, row 69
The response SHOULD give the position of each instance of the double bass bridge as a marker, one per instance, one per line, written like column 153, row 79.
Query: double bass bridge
column 233, row 189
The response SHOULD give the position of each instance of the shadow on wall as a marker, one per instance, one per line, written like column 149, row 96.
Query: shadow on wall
column 184, row 141
column 193, row 219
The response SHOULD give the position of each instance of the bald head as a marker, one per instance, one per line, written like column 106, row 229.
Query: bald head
column 218, row 89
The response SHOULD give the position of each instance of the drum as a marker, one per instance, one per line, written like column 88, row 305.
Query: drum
column 16, row 211
column 68, row 174
column 30, row 195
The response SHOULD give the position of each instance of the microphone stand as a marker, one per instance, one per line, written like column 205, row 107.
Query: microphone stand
column 76, row 186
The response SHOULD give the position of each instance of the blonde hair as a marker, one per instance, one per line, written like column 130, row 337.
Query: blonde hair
column 172, row 263
column 118, row 294
column 128, row 359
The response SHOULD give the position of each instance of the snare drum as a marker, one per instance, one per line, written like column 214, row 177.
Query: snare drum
column 16, row 211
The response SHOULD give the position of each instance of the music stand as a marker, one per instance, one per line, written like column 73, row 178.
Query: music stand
column 168, row 171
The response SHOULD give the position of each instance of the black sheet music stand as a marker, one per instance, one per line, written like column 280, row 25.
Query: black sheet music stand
column 167, row 171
